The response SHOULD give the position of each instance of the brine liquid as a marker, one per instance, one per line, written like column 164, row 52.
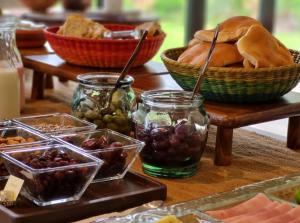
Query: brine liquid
column 9, row 93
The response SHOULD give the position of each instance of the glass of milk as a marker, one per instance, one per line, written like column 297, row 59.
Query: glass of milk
column 10, row 68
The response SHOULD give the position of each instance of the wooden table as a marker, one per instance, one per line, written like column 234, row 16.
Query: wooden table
column 155, row 76
column 57, row 18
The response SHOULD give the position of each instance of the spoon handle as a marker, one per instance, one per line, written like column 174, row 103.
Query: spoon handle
column 132, row 58
column 207, row 60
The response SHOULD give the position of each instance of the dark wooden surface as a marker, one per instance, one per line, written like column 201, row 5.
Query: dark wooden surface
column 99, row 198
column 58, row 18
column 154, row 75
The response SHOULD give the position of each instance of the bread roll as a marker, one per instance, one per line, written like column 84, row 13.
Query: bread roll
column 224, row 54
column 261, row 49
column 230, row 30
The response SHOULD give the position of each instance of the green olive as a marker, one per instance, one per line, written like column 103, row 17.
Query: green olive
column 100, row 124
column 91, row 114
column 116, row 97
column 125, row 129
column 108, row 118
column 119, row 112
column 120, row 119
column 112, row 126
column 78, row 114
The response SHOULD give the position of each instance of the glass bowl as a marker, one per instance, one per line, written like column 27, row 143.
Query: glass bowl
column 16, row 137
column 289, row 192
column 116, row 150
column 52, row 174
column 56, row 123
column 6, row 124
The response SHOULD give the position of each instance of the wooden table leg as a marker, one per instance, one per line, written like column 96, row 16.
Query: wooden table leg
column 49, row 82
column 223, row 146
column 37, row 90
column 293, row 137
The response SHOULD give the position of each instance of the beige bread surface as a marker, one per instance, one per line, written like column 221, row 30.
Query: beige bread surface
column 230, row 30
column 153, row 28
column 261, row 49
column 224, row 54
column 78, row 26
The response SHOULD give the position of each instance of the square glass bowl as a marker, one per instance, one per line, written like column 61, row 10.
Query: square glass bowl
column 56, row 123
column 18, row 137
column 57, row 182
column 4, row 124
column 289, row 192
column 118, row 154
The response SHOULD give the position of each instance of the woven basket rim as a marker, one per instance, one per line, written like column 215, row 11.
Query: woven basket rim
column 51, row 31
column 165, row 58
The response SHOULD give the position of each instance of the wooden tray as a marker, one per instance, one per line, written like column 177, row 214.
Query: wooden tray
column 99, row 198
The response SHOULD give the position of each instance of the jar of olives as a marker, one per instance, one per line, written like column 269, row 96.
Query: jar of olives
column 174, row 129
column 92, row 101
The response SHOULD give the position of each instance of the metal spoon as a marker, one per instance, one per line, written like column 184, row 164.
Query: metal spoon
column 126, row 69
column 207, row 60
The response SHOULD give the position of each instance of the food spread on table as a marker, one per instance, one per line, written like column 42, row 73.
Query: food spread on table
column 242, row 42
column 173, row 130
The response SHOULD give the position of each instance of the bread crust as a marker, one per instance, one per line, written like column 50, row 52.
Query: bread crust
column 261, row 49
column 230, row 30
column 224, row 54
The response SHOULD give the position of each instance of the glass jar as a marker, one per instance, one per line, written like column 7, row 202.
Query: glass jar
column 11, row 71
column 174, row 129
column 10, row 56
column 91, row 101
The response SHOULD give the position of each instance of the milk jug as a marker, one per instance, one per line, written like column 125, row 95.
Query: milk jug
column 10, row 68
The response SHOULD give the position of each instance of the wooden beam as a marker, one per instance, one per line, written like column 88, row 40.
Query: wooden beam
column 194, row 18
column 266, row 13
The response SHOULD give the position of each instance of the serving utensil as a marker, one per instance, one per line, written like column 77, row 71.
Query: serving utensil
column 207, row 60
column 136, row 34
column 126, row 69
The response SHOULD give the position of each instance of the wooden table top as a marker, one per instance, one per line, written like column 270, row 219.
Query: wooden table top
column 250, row 165
column 154, row 75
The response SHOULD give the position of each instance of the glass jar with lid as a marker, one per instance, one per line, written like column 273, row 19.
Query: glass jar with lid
column 91, row 101
column 11, row 70
column 174, row 129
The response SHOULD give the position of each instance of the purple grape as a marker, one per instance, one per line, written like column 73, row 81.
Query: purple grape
column 194, row 139
column 159, row 133
column 183, row 130
column 174, row 140
column 160, row 145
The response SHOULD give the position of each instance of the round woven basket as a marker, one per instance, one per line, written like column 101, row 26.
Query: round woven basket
column 237, row 85
column 106, row 53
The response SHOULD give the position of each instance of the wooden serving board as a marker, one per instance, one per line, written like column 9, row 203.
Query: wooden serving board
column 99, row 198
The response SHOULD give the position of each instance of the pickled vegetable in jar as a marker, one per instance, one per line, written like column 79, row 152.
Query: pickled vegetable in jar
column 174, row 129
column 91, row 101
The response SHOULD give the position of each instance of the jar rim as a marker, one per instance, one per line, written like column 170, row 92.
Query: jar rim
column 171, row 98
column 8, row 22
column 103, row 79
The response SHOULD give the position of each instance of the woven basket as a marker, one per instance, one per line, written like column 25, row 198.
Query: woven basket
column 112, row 53
column 237, row 85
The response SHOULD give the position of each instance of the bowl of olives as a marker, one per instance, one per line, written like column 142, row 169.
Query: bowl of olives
column 52, row 174
column 117, row 151
column 95, row 101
